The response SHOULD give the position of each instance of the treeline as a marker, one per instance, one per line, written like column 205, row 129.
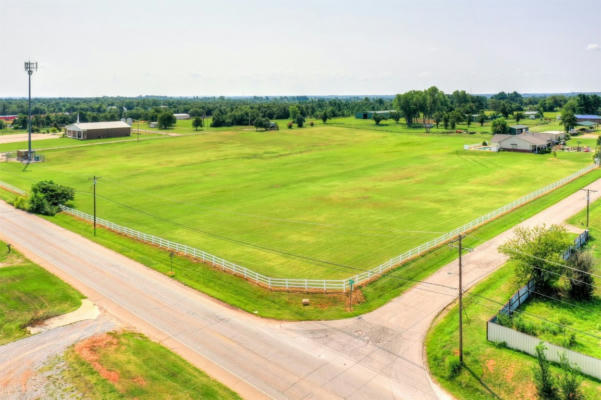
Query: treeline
column 416, row 106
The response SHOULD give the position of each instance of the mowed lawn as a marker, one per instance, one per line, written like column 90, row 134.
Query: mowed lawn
column 277, row 201
column 29, row 294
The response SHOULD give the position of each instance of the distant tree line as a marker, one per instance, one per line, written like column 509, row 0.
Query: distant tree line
column 430, row 106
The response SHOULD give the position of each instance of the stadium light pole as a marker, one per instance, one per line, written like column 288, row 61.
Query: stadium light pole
column 30, row 68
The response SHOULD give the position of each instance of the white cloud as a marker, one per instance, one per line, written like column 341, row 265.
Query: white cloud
column 593, row 47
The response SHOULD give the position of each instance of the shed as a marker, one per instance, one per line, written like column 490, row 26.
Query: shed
column 97, row 130
column 588, row 117
column 181, row 116
column 518, row 129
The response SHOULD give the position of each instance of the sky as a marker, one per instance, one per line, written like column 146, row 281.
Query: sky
column 306, row 47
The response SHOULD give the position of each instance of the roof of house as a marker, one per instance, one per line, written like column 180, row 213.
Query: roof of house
column 584, row 116
column 530, row 112
column 586, row 123
column 538, row 139
column 519, row 126
column 83, row 126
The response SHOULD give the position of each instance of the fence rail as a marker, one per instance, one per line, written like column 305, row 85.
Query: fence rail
column 317, row 284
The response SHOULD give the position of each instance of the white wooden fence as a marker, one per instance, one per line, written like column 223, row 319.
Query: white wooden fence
column 320, row 284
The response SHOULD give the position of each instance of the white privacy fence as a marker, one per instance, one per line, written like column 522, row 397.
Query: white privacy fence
column 527, row 344
column 316, row 284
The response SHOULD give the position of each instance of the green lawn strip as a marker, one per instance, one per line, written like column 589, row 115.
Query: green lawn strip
column 141, row 369
column 356, row 197
column 28, row 293
column 492, row 371
column 287, row 306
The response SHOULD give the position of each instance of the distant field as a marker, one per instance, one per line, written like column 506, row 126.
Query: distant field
column 349, row 196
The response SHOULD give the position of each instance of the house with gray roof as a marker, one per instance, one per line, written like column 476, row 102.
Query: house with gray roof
column 525, row 142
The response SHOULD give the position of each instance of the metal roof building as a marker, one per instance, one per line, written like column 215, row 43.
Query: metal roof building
column 588, row 117
column 97, row 130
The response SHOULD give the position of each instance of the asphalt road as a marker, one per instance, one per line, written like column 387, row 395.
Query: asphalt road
column 376, row 356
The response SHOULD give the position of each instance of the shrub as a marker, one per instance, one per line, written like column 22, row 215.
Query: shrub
column 46, row 196
column 581, row 280
column 21, row 203
column 543, row 380
column 300, row 120
column 569, row 381
column 453, row 366
column 505, row 320
column 311, row 123
column 524, row 326
column 290, row 125
column 569, row 341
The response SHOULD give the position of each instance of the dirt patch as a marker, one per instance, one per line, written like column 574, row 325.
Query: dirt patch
column 509, row 372
column 140, row 380
column 526, row 392
column 490, row 365
column 88, row 350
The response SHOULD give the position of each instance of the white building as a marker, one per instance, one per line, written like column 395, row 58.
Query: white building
column 182, row 116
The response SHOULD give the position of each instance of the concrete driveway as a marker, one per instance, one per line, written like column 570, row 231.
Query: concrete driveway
column 376, row 356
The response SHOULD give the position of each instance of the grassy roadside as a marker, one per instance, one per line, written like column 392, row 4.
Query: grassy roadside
column 127, row 365
column 287, row 306
column 28, row 293
column 491, row 371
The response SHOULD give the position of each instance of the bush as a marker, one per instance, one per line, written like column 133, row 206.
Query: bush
column 543, row 380
column 524, row 326
column 21, row 203
column 505, row 320
column 46, row 196
column 453, row 366
column 569, row 382
column 311, row 123
column 290, row 125
column 582, row 284
column 569, row 341
column 300, row 120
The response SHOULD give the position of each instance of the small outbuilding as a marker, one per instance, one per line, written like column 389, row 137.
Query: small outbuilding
column 97, row 130
column 182, row 116
column 518, row 129
column 588, row 117
column 370, row 114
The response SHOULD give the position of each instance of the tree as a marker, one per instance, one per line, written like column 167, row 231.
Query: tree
column 518, row 115
column 505, row 108
column 482, row 119
column 445, row 120
column 581, row 280
column 197, row 123
column 46, row 196
column 300, row 120
column 324, row 116
column 543, row 379
column 294, row 112
column 468, row 120
column 166, row 120
column 262, row 123
column 568, row 119
column 499, row 125
column 378, row 117
column 437, row 118
column 538, row 254
column 395, row 116
column 2, row 124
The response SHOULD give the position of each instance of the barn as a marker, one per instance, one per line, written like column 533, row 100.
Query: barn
column 596, row 119
column 97, row 130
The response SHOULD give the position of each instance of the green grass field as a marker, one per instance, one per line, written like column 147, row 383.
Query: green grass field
column 129, row 366
column 491, row 371
column 29, row 294
column 349, row 196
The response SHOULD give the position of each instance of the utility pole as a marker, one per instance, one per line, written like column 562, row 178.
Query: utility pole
column 460, row 288
column 460, row 301
column 30, row 68
column 95, row 179
column 588, row 202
